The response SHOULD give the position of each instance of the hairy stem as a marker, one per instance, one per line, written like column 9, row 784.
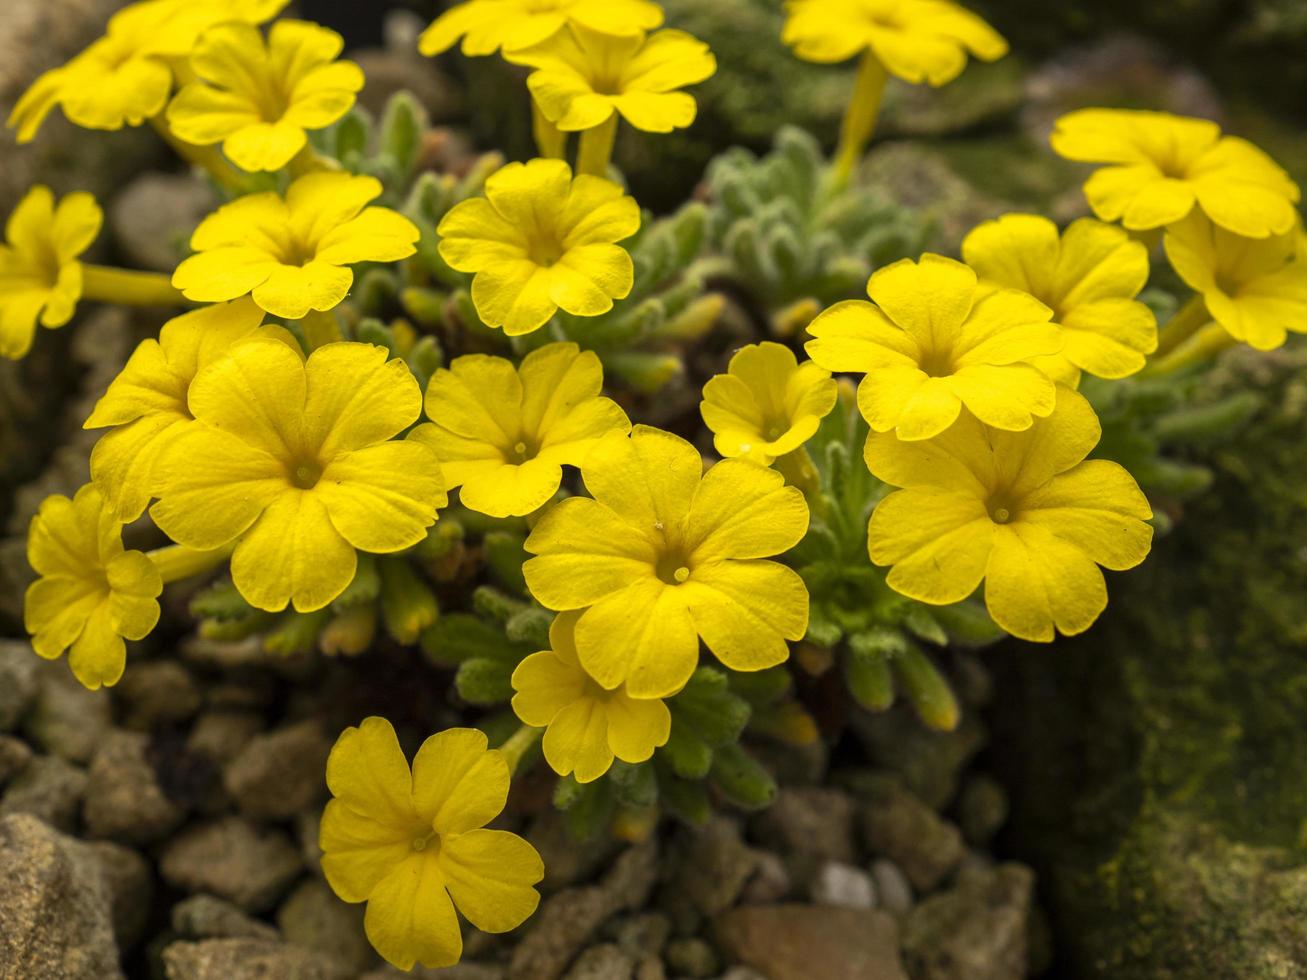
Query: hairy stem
column 596, row 148
column 860, row 117
column 129, row 287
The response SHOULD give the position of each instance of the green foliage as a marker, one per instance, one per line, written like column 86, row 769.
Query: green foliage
column 788, row 237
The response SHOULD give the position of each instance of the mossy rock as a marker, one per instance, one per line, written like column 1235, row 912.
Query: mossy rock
column 1159, row 765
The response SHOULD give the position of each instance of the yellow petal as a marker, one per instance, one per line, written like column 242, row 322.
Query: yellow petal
column 410, row 918
column 745, row 611
column 490, row 874
column 636, row 728
column 510, row 490
column 1007, row 397
column 856, row 336
column 585, row 552
column 938, row 542
column 367, row 773
column 376, row 235
column 383, row 498
column 357, row 395
column 359, row 850
column 293, row 554
column 98, row 655
column 642, row 636
column 576, row 742
column 1036, row 582
column 458, row 784
column 545, row 685
column 290, row 292
column 1098, row 507
column 649, row 478
column 744, row 510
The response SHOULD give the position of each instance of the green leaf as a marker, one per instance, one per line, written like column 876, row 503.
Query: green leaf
column 530, row 628
column 761, row 687
column 457, row 637
column 687, row 754
column 707, row 705
column 402, row 126
column 687, row 801
column 927, row 689
column 365, row 586
column 635, row 783
column 742, row 779
column 220, row 601
column 505, row 556
column 484, row 681
column 408, row 606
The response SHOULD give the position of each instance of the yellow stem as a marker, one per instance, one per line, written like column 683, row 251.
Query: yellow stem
column 596, row 149
column 129, row 287
column 799, row 471
column 1202, row 346
column 1188, row 320
column 310, row 161
column 320, row 329
column 207, row 158
column 518, row 743
column 176, row 562
column 551, row 142
column 860, row 117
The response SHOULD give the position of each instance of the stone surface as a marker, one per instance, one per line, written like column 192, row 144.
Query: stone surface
column 713, row 864
column 606, row 961
column 152, row 218
column 313, row 917
column 157, row 693
column 66, row 719
column 976, row 931
column 15, row 754
column 843, row 885
column 693, row 957
column 898, row 825
column 233, row 859
column 49, row 788
column 893, row 890
column 982, row 809
column 18, row 680
column 770, row 881
column 814, row 821
column 209, row 917
column 130, row 881
column 800, row 942
column 281, row 773
column 247, row 959
column 124, row 801
column 55, row 906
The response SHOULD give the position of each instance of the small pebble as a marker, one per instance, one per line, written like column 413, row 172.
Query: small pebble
column 843, row 885
column 891, row 886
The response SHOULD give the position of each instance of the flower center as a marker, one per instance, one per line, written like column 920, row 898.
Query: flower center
column 937, row 363
column 673, row 569
column 544, row 249
column 305, row 473
column 426, row 841
column 1002, row 508
column 523, row 449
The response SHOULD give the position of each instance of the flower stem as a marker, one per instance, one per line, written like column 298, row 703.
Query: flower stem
column 551, row 142
column 128, row 287
column 860, row 117
column 176, row 562
column 596, row 148
column 517, row 745
column 1188, row 320
column 207, row 158
column 799, row 471
column 320, row 329
column 310, row 161
column 1202, row 346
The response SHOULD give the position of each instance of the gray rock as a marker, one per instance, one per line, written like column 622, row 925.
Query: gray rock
column 893, row 889
column 65, row 718
column 49, row 788
column 247, row 959
column 131, row 888
column 691, row 957
column 606, row 961
column 843, row 885
column 234, row 859
column 642, row 934
column 153, row 216
column 811, row 821
column 567, row 860
column 221, row 734
column 929, row 762
column 802, row 942
column 465, row 970
column 209, row 917
column 900, row 826
column 124, row 801
column 566, row 920
column 982, row 809
column 157, row 693
column 15, row 754
column 713, row 864
column 55, row 906
column 279, row 774
column 770, row 881
column 313, row 917
column 742, row 973
column 18, row 667
column 976, row 931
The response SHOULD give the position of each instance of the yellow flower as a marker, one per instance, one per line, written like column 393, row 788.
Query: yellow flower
column 40, row 275
column 584, row 76
column 124, row 78
column 766, row 404
column 258, row 99
column 146, row 403
column 91, row 594
column 503, row 434
column 1256, row 288
column 916, row 40
column 291, row 461
column 540, row 240
column 664, row 554
column 1023, row 511
column 488, row 25
column 586, row 724
column 292, row 255
column 934, row 342
column 1160, row 166
column 413, row 844
column 1089, row 277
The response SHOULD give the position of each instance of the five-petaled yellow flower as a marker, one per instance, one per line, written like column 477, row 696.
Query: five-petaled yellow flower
column 40, row 275
column 585, row 724
column 413, row 845
column 540, row 240
column 146, row 403
column 503, row 434
column 933, row 342
column 125, row 77
column 664, row 554
column 1089, row 277
column 1256, row 288
column 1159, row 166
column 583, row 76
column 295, row 463
column 766, row 404
column 258, row 99
column 293, row 255
column 1023, row 511
column 916, row 40
column 91, row 594
column 488, row 25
